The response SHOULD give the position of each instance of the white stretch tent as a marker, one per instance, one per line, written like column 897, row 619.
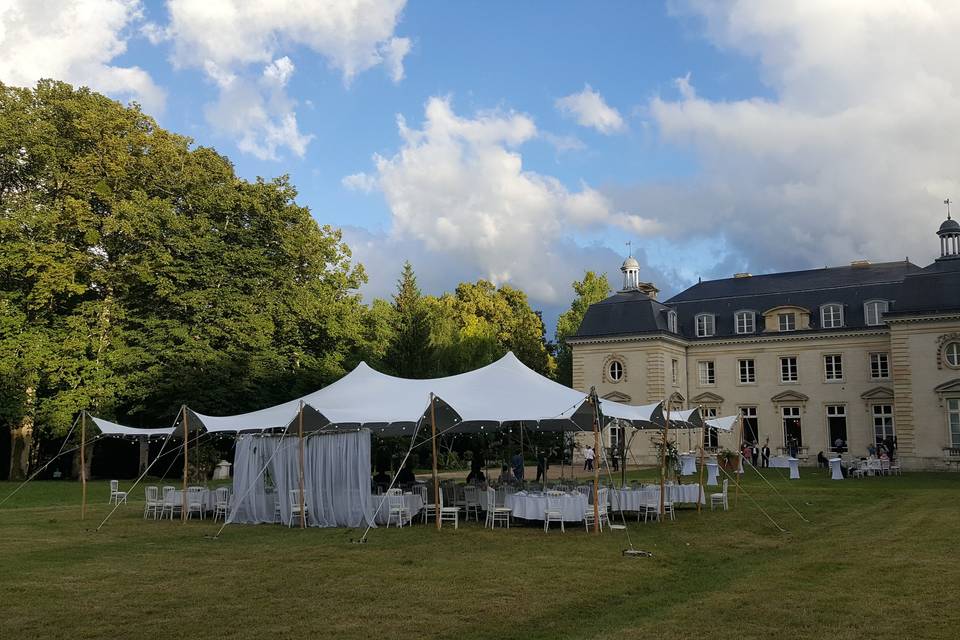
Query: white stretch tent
column 725, row 423
column 108, row 428
column 504, row 392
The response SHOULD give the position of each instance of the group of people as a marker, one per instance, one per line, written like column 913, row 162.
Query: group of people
column 757, row 455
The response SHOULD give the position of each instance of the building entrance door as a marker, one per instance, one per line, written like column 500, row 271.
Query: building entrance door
column 792, row 433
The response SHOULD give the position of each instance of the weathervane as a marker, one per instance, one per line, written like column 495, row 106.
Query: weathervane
column 947, row 202
column 630, row 247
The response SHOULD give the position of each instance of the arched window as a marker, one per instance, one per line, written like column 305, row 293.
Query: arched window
column 615, row 370
column 873, row 311
column 705, row 325
column 831, row 316
column 672, row 322
column 951, row 354
column 745, row 322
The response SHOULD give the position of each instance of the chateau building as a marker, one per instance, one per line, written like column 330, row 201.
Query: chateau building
column 846, row 355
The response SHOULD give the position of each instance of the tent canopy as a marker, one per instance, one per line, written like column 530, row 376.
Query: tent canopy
column 503, row 393
column 108, row 428
column 725, row 423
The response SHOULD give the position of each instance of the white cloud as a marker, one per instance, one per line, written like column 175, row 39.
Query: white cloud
column 590, row 110
column 852, row 154
column 458, row 187
column 234, row 40
column 359, row 182
column 75, row 41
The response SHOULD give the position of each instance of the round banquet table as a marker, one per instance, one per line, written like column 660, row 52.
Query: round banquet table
column 688, row 464
column 532, row 505
column 175, row 499
column 412, row 501
column 780, row 462
column 633, row 499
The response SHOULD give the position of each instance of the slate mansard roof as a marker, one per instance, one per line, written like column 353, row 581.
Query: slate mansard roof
column 905, row 286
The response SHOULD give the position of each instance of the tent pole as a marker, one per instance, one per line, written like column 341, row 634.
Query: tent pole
column 83, row 464
column 303, row 515
column 596, row 461
column 663, row 458
column 703, row 435
column 739, row 469
column 436, row 479
column 186, row 462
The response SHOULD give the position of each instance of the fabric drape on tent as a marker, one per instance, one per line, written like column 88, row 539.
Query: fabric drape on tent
column 336, row 478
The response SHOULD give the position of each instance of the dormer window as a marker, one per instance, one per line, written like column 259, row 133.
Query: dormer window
column 745, row 322
column 787, row 321
column 831, row 316
column 705, row 325
column 672, row 322
column 873, row 311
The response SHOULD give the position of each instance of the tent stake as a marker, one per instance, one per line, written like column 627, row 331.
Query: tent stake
column 303, row 516
column 186, row 462
column 436, row 478
column 83, row 464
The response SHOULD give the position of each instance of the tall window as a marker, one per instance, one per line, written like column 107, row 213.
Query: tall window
column 616, row 371
column 788, row 369
column 675, row 371
column 748, row 371
column 833, row 367
column 616, row 437
column 672, row 322
column 951, row 354
column 788, row 321
column 831, row 316
column 751, row 424
column 705, row 325
column 706, row 372
column 711, row 436
column 873, row 311
column 792, row 432
column 745, row 322
column 879, row 366
column 953, row 417
column 882, row 422
column 837, row 427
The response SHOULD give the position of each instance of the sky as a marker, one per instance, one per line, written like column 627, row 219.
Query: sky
column 527, row 142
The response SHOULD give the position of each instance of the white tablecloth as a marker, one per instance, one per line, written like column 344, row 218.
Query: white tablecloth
column 712, row 471
column 780, row 462
column 633, row 499
column 412, row 501
column 175, row 499
column 835, row 471
column 794, row 464
column 688, row 464
column 532, row 505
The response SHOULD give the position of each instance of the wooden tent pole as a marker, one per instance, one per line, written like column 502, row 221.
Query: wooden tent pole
column 703, row 436
column 303, row 515
column 739, row 469
column 83, row 464
column 596, row 461
column 186, row 461
column 436, row 478
column 663, row 458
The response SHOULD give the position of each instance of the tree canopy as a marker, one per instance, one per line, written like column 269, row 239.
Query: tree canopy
column 591, row 289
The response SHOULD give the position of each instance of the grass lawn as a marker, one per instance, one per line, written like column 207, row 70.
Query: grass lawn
column 877, row 560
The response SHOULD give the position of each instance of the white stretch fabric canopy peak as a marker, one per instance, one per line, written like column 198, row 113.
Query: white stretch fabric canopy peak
column 505, row 391
column 724, row 424
column 108, row 428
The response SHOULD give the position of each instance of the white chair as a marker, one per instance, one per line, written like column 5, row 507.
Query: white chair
column 857, row 469
column 885, row 467
column 295, row 506
column 221, row 503
column 495, row 513
column 648, row 510
column 449, row 514
column 116, row 496
column 720, row 498
column 895, row 467
column 195, row 501
column 601, row 511
column 429, row 507
column 553, row 513
column 153, row 502
column 397, row 508
column 471, row 501
column 172, row 502
column 668, row 510
column 585, row 490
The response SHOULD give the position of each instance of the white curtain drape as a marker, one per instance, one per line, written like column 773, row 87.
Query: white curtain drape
column 336, row 478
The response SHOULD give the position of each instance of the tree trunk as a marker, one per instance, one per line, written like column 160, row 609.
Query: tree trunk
column 21, row 440
column 144, row 454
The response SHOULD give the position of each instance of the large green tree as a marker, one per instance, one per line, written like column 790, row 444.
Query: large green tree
column 410, row 354
column 138, row 272
column 591, row 289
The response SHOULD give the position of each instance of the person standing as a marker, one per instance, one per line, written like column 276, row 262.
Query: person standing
column 517, row 463
column 588, row 456
column 765, row 454
column 755, row 453
column 542, row 466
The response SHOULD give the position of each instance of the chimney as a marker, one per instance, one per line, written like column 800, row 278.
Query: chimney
column 742, row 275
